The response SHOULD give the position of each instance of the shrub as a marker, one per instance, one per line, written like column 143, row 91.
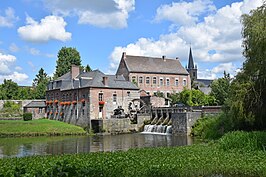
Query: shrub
column 27, row 116
column 247, row 141
column 212, row 127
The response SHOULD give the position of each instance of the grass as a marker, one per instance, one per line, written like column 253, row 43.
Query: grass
column 196, row 160
column 40, row 127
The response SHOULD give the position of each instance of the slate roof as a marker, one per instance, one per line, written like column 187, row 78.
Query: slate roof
column 36, row 104
column 190, row 60
column 205, row 82
column 90, row 79
column 154, row 65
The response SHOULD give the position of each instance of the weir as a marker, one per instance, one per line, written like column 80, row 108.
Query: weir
column 173, row 120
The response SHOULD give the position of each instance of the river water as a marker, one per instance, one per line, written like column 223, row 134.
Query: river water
column 20, row 147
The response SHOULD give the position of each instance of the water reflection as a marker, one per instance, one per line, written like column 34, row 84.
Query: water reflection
column 20, row 147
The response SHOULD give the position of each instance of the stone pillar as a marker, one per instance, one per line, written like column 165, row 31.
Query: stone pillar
column 182, row 122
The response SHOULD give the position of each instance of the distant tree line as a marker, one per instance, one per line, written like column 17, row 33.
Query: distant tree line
column 67, row 56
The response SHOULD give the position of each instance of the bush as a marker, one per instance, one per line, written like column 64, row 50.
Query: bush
column 212, row 127
column 27, row 116
column 246, row 141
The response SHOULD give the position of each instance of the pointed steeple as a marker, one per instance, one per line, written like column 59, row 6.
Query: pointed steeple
column 190, row 60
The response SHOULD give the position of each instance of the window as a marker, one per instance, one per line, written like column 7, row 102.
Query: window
column 114, row 98
column 133, row 79
column 128, row 93
column 100, row 97
column 154, row 80
column 184, row 82
column 167, row 94
column 194, row 74
column 147, row 80
column 140, row 79
column 161, row 81
column 167, row 82
column 176, row 82
column 40, row 110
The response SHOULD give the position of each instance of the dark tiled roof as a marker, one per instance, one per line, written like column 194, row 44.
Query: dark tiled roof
column 36, row 104
column 154, row 65
column 190, row 60
column 91, row 79
column 205, row 82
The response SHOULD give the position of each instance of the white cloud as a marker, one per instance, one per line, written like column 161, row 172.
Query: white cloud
column 228, row 67
column 17, row 77
column 184, row 13
column 18, row 68
column 13, row 47
column 50, row 28
column 34, row 51
column 101, row 13
column 6, row 63
column 9, row 19
column 215, row 39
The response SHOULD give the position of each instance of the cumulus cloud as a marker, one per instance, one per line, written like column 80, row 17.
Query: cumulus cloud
column 49, row 28
column 6, row 63
column 17, row 77
column 9, row 19
column 215, row 38
column 101, row 13
column 184, row 13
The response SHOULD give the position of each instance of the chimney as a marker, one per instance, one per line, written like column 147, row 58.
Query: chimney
column 163, row 57
column 74, row 71
column 105, row 81
column 124, row 55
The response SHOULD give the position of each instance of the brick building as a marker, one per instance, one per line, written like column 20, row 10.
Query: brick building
column 78, row 98
column 154, row 74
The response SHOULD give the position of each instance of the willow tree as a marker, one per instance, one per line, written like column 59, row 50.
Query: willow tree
column 248, row 96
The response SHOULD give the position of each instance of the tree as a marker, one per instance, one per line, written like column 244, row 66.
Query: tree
column 220, row 88
column 40, row 84
column 9, row 90
column 248, row 97
column 87, row 68
column 67, row 56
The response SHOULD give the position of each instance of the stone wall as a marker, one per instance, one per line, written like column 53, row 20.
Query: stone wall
column 182, row 122
column 117, row 126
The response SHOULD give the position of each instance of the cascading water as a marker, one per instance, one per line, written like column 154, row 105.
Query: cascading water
column 158, row 129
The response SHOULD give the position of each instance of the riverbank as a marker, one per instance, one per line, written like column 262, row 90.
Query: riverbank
column 40, row 127
column 225, row 157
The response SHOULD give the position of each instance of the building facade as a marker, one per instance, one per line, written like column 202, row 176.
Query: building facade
column 154, row 74
column 79, row 97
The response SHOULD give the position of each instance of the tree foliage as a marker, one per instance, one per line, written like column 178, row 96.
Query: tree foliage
column 192, row 98
column 246, row 104
column 9, row 90
column 220, row 88
column 40, row 84
column 67, row 56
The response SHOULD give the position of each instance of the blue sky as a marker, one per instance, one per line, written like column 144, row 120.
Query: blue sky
column 33, row 31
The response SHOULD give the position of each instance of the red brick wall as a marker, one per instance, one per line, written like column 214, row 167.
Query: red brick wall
column 151, row 88
column 123, row 100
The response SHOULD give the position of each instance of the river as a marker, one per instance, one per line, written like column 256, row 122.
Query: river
column 28, row 146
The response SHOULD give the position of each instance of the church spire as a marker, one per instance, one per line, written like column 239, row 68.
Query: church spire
column 190, row 60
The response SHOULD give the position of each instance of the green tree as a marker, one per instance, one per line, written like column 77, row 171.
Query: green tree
column 220, row 88
column 87, row 68
column 247, row 100
column 9, row 90
column 40, row 84
column 67, row 56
